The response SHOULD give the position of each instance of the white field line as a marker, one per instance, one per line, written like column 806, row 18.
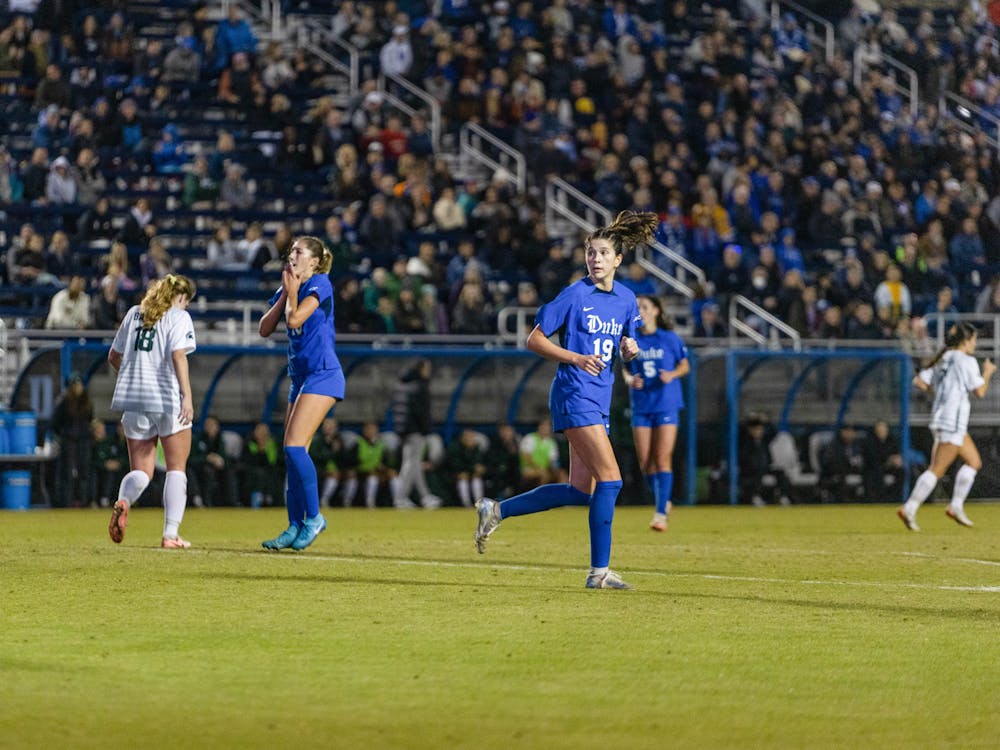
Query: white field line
column 545, row 569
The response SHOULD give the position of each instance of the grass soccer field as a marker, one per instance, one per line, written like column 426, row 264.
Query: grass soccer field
column 803, row 627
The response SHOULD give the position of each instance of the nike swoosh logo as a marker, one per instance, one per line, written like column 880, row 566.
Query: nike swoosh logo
column 587, row 309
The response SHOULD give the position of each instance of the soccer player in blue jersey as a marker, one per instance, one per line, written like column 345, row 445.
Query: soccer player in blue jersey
column 596, row 317
column 655, row 394
column 305, row 301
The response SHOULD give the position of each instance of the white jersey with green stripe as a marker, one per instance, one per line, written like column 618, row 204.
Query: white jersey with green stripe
column 147, row 380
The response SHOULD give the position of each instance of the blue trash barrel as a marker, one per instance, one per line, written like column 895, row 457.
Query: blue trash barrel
column 15, row 492
column 22, row 432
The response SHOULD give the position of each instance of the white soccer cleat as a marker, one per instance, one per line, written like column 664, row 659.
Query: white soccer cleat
column 909, row 521
column 958, row 516
column 609, row 580
column 488, row 519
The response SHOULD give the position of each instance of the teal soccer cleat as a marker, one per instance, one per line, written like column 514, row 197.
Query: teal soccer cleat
column 311, row 528
column 284, row 540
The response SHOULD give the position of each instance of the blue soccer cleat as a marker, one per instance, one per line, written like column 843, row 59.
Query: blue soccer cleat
column 310, row 529
column 284, row 540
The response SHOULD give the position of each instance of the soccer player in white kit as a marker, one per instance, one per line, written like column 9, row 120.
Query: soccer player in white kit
column 952, row 375
column 153, row 390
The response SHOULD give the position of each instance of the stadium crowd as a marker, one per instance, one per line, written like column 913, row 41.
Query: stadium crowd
column 831, row 205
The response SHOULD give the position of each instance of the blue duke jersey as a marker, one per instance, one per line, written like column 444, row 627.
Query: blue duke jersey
column 660, row 350
column 310, row 347
column 589, row 321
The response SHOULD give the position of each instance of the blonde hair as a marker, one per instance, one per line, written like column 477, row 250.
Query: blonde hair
column 317, row 250
column 629, row 229
column 160, row 297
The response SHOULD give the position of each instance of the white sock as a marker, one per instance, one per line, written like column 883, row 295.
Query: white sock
column 598, row 572
column 462, row 485
column 132, row 486
column 329, row 488
column 922, row 489
column 350, row 491
column 477, row 487
column 394, row 487
column 371, row 490
column 963, row 483
column 175, row 488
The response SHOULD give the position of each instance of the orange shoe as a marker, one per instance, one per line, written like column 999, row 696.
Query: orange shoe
column 174, row 542
column 119, row 520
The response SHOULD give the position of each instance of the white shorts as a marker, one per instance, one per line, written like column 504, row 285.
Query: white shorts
column 951, row 438
column 146, row 425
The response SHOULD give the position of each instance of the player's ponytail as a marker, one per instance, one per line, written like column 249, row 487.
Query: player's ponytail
column 160, row 297
column 957, row 335
column 628, row 230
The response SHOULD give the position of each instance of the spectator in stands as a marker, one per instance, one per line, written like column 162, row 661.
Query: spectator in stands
column 28, row 265
column 883, row 464
column 759, row 480
column 892, row 295
column 465, row 461
column 70, row 307
column 411, row 409
column 223, row 252
column 966, row 249
column 89, row 180
column 156, row 262
column 472, row 315
column 182, row 64
column 638, row 280
column 232, row 36
column 254, row 251
column 52, row 90
column 60, row 188
column 448, row 214
column 234, row 191
column 96, row 223
column 708, row 324
column 396, row 56
column 200, row 189
column 213, row 480
column 374, row 464
column 239, row 84
column 169, row 152
column 70, row 425
column 107, row 467
column 60, row 263
column 109, row 307
column 539, row 457
column 841, row 464
column 331, row 460
column 862, row 324
column 261, row 466
column 139, row 227
column 34, row 175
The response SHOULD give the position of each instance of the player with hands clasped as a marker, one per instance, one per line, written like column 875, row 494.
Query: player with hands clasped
column 153, row 389
column 305, row 302
column 656, row 399
column 953, row 374
column 595, row 317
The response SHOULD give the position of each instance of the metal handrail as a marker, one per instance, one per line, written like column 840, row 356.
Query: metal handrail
column 471, row 138
column 960, row 103
column 735, row 323
column 911, row 91
column 433, row 105
column 352, row 68
column 522, row 318
column 557, row 195
column 829, row 37
column 984, row 343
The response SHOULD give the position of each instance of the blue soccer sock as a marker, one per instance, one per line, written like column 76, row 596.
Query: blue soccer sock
column 545, row 497
column 293, row 503
column 302, row 481
column 602, row 512
column 664, row 489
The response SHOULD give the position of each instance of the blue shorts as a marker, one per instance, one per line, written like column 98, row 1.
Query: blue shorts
column 654, row 418
column 322, row 383
column 562, row 422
